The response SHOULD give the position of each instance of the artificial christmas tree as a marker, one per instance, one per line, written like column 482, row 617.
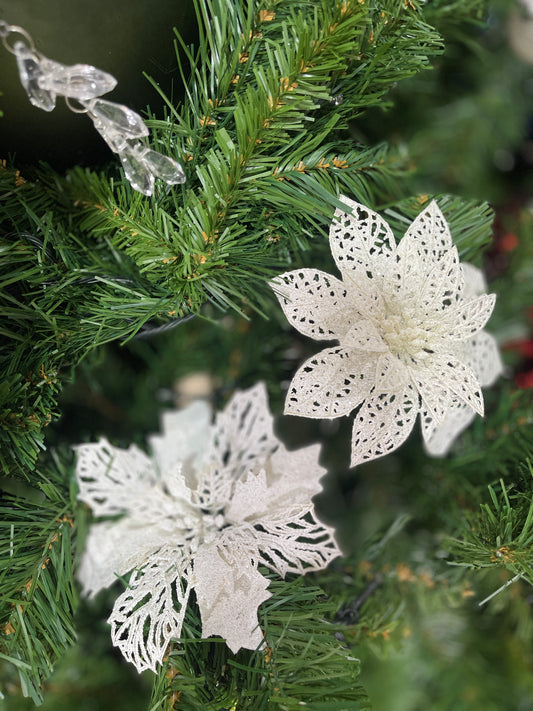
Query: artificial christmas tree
column 110, row 299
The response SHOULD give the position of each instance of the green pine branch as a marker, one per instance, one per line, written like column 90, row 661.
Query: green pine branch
column 37, row 590
column 300, row 664
column 499, row 535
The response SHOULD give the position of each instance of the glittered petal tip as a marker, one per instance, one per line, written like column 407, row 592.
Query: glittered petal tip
column 294, row 476
column 243, row 434
column 462, row 321
column 382, row 424
column 483, row 356
column 150, row 612
column 292, row 479
column 432, row 287
column 428, row 237
column 250, row 499
column 439, row 439
column 436, row 400
column 359, row 238
column 314, row 303
column 330, row 384
column 229, row 591
column 460, row 380
column 111, row 479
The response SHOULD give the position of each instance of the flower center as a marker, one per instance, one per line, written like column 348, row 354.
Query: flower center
column 210, row 525
column 407, row 340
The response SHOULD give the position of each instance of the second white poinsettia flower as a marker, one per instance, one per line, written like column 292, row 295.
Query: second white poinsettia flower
column 408, row 319
column 211, row 505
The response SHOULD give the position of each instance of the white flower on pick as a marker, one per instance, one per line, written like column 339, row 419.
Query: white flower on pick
column 214, row 503
column 408, row 320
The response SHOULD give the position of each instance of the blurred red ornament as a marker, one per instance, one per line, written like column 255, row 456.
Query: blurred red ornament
column 523, row 347
column 524, row 380
column 508, row 242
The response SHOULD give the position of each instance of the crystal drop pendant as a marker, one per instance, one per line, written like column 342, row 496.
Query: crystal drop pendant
column 163, row 167
column 80, row 81
column 117, row 118
column 137, row 173
column 114, row 139
column 30, row 71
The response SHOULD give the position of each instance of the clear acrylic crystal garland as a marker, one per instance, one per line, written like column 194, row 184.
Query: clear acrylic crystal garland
column 121, row 128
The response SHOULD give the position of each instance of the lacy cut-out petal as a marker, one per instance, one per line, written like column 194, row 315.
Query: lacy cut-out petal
column 296, row 542
column 314, row 303
column 365, row 336
column 439, row 439
column 383, row 423
column 330, row 384
column 434, row 292
column 365, row 294
column 436, row 401
column 456, row 377
column 483, row 356
column 360, row 239
column 112, row 480
column 427, row 239
column 243, row 435
column 428, row 271
column 462, row 321
column 391, row 374
column 150, row 612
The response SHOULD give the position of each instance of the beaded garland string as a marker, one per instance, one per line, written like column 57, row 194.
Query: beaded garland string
column 121, row 128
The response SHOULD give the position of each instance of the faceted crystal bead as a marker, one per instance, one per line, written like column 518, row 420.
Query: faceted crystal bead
column 80, row 81
column 114, row 139
column 163, row 167
column 30, row 71
column 137, row 173
column 116, row 118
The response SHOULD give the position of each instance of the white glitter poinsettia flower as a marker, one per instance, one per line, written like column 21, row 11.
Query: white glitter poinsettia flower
column 212, row 504
column 408, row 319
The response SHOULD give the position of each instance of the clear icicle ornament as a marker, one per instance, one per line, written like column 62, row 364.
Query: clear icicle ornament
column 30, row 71
column 121, row 128
column 80, row 81
column 115, row 123
column 137, row 173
